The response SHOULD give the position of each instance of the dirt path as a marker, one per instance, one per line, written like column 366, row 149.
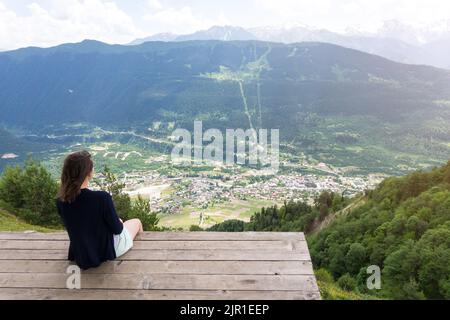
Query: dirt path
column 330, row 218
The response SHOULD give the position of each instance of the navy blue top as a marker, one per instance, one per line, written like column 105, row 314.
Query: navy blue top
column 91, row 221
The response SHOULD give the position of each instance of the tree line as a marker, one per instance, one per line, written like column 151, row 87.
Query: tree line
column 30, row 193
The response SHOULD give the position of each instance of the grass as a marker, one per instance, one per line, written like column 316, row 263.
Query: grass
column 236, row 209
column 9, row 222
column 331, row 291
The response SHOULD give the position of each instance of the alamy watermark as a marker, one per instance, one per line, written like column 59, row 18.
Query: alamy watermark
column 244, row 147
column 374, row 280
column 73, row 281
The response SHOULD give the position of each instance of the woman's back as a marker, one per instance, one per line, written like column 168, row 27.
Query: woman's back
column 91, row 221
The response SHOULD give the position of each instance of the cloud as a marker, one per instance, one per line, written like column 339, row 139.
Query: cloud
column 366, row 14
column 155, row 4
column 75, row 20
column 51, row 22
column 179, row 20
column 71, row 21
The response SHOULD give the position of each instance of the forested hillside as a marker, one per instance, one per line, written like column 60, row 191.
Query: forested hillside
column 403, row 226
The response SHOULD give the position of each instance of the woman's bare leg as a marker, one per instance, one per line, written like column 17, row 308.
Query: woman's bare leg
column 134, row 226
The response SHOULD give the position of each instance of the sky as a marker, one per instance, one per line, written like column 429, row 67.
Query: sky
column 51, row 22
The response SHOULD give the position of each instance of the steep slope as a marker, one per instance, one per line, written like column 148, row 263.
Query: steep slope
column 404, row 228
column 330, row 218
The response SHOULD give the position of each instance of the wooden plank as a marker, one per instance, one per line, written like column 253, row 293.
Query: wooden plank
column 162, row 281
column 164, row 265
column 93, row 294
column 145, row 255
column 289, row 245
column 156, row 267
column 168, row 236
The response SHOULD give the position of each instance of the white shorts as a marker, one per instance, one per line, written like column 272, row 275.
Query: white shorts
column 122, row 242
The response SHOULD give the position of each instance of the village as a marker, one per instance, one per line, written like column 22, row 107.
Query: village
column 168, row 195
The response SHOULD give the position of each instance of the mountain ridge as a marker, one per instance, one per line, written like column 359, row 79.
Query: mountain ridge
column 311, row 61
column 385, row 43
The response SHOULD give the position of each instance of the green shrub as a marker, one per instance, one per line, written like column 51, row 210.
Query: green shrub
column 125, row 207
column 195, row 228
column 31, row 193
column 140, row 209
column 355, row 258
column 228, row 226
column 122, row 201
column 323, row 275
column 346, row 282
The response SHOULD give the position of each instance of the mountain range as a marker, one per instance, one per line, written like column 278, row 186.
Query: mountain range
column 394, row 41
column 335, row 104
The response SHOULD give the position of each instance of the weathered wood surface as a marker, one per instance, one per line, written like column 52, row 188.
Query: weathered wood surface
column 167, row 236
column 164, row 265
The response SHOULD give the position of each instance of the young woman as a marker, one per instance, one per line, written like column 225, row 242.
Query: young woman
column 96, row 232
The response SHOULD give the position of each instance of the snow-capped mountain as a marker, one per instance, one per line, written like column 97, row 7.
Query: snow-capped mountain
column 394, row 40
column 224, row 33
column 166, row 37
column 415, row 35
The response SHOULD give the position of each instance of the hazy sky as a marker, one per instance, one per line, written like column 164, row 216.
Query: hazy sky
column 51, row 22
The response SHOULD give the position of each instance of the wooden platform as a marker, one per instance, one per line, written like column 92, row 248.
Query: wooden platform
column 164, row 265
